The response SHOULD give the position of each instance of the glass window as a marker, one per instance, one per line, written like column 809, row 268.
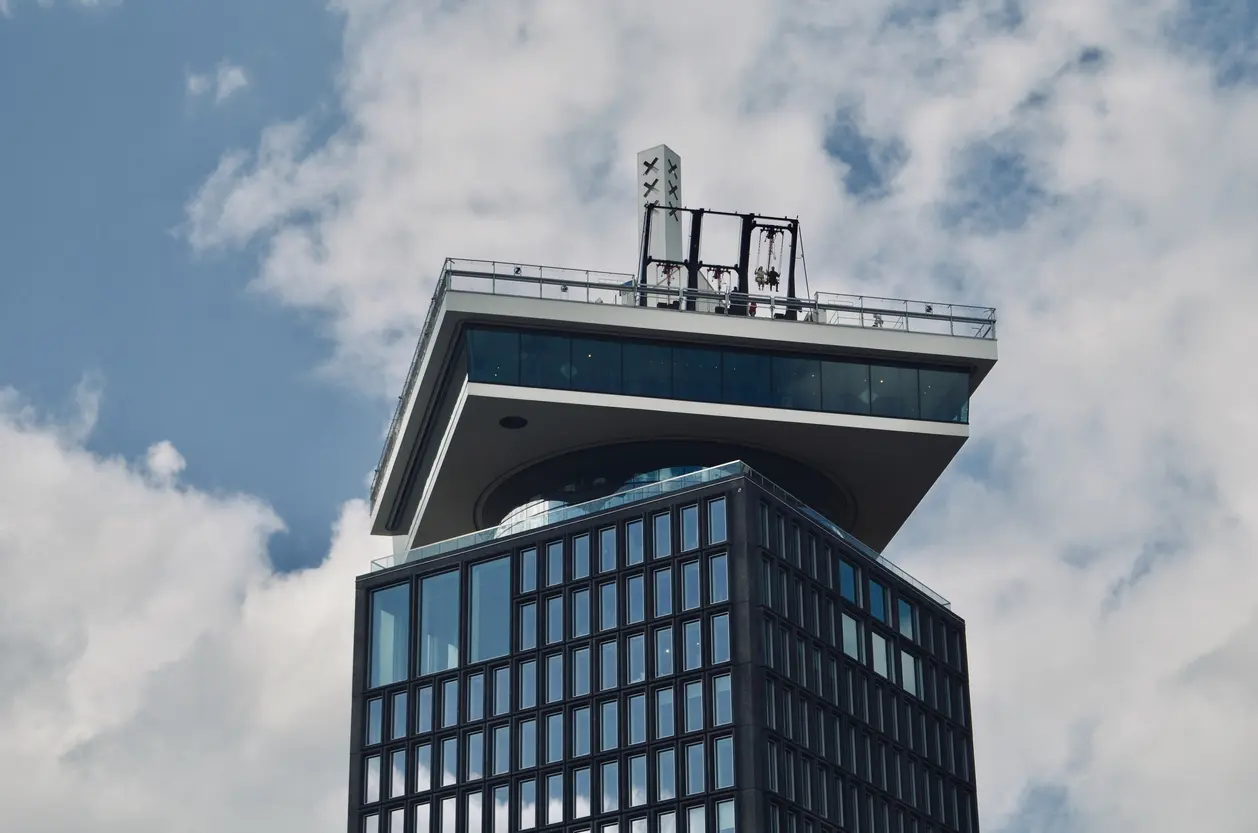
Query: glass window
column 893, row 391
column 637, row 599
column 665, row 775
column 581, row 612
column 554, row 798
column 847, row 582
column 528, row 626
column 493, row 356
column 476, row 697
column 475, row 756
column 695, row 780
column 423, row 710
column 581, row 556
column 610, row 777
column 696, row 822
column 528, row 743
column 554, row 678
column 439, row 623
column 581, row 731
column 689, row 528
column 607, row 606
column 554, row 737
column 581, row 793
column 554, row 563
column 718, row 579
column 647, row 370
column 909, row 673
column 554, row 620
column 663, row 652
column 945, row 395
column 720, row 638
column 375, row 720
column 879, row 658
column 528, row 804
column 633, row 542
column 423, row 767
column 662, row 535
column 844, row 387
column 596, row 365
column 397, row 773
column 664, row 710
column 545, row 361
column 580, row 672
column 490, row 595
column 637, row 780
column 502, row 809
column 390, row 634
column 449, row 761
column 371, row 823
column 852, row 639
column 449, row 703
column 609, row 726
column 724, row 762
column 694, row 706
column 722, row 700
column 475, row 814
column 607, row 665
column 690, row 585
column 907, row 618
column 725, row 816
column 528, row 684
column 607, row 549
column 746, row 379
column 878, row 602
column 637, row 719
column 502, row 690
column 797, row 383
column 397, row 724
column 692, row 643
column 637, row 658
column 502, row 750
column 716, row 520
column 697, row 371
column 528, row 570
column 664, row 592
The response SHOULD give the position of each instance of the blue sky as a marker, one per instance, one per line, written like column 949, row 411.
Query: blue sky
column 227, row 216
column 100, row 147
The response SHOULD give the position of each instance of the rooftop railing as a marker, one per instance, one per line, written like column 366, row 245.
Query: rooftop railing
column 620, row 289
column 650, row 491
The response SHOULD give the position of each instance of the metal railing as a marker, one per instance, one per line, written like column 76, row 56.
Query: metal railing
column 646, row 492
column 620, row 289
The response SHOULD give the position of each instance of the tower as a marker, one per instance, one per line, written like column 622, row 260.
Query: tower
column 635, row 584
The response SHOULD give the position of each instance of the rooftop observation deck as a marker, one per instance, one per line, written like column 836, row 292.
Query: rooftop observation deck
column 786, row 317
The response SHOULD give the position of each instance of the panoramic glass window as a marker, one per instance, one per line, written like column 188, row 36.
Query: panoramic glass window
column 545, row 361
column 747, row 379
column 439, row 623
column 945, row 395
column 490, row 596
column 845, row 388
column 596, row 365
column 893, row 391
column 493, row 356
column 648, row 370
column 390, row 635
column 797, row 383
column 697, row 371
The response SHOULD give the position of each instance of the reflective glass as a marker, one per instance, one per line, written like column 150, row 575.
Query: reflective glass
column 718, row 579
column 692, row 642
column 476, row 697
column 545, row 361
column 662, row 535
column 725, row 817
column 665, row 775
column 647, row 370
column 636, row 598
column 894, row 391
column 397, row 723
column 449, row 703
column 663, row 652
column 581, row 731
column 439, row 623
column 847, row 582
column 908, row 672
column 490, row 596
column 493, row 356
column 581, row 612
column 746, row 379
column 371, row 823
column 528, row 570
column 697, row 371
column 502, row 809
column 528, row 684
column 475, row 756
column 633, row 542
column 608, row 666
column 475, row 813
column 724, row 763
column 423, row 767
column 397, row 773
column 690, row 585
column 609, row 726
column 554, row 678
column 637, row 719
column 905, row 615
column 554, row 620
column 528, row 744
column 607, row 606
column 637, row 658
column 502, row 690
column 449, row 761
column 554, row 799
column 581, row 556
column 695, row 780
column 945, row 395
column 689, row 528
column 851, row 638
column 878, row 602
column 716, row 520
column 375, row 721
column 722, row 700
column 664, row 592
column 596, row 365
column 637, row 780
column 581, row 794
column 696, row 822
column 423, row 710
column 607, row 549
column 554, row 738
column 797, row 383
column 694, row 706
column 879, row 658
column 580, row 672
column 844, row 387
column 390, row 634
column 664, row 713
column 720, row 639
column 554, row 563
column 528, row 804
column 610, row 778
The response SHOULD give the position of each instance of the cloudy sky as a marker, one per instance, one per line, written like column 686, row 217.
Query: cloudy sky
column 220, row 223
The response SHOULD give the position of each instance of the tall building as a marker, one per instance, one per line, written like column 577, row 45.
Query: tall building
column 635, row 584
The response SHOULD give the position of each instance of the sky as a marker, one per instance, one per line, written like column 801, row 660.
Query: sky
column 219, row 228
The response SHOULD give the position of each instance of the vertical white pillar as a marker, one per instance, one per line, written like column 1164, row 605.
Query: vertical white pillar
column 659, row 183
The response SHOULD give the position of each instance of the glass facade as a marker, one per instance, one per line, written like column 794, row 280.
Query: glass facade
column 701, row 374
column 583, row 679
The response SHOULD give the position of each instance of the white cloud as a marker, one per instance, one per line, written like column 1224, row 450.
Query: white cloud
column 1064, row 161
column 221, row 84
column 155, row 667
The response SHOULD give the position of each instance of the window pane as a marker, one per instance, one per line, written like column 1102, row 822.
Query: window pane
column 851, row 638
column 893, row 391
column 554, row 678
column 475, row 814
column 637, row 658
column 844, row 387
column 375, row 720
column 449, row 815
column 847, row 582
column 528, row 743
column 664, row 713
column 908, row 672
column 580, row 672
column 694, row 706
column 528, row 805
column 545, row 361
column 797, row 383
column 554, row 737
column 747, row 379
column 609, row 726
column 716, row 520
column 397, row 773
column 423, row 767
column 722, row 700
column 581, row 731
column 647, row 370
column 596, row 365
column 880, row 655
column 554, row 799
column 695, row 780
column 878, row 602
column 695, row 822
column 502, row 690
column 692, row 642
column 581, row 793
column 608, row 665
column 663, row 592
column 690, row 585
column 906, row 617
column 724, row 763
column 475, row 756
column 502, row 750
column 607, row 549
column 528, row 570
column 637, row 781
column 611, row 786
column 718, row 579
column 476, row 697
column 633, row 542
column 720, row 638
column 945, row 395
column 449, row 761
column 528, row 627
column 423, row 710
column 528, row 684
column 662, row 535
column 607, row 605
column 581, row 613
column 581, row 556
column 554, row 563
column 725, row 817
column 689, row 528
column 493, row 356
column 663, row 652
column 439, row 623
column 637, row 600
column 449, row 703
column 371, row 823
column 665, row 775
column 554, row 620
column 697, row 371
column 637, row 719
column 502, row 809
column 491, row 595
column 390, row 634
